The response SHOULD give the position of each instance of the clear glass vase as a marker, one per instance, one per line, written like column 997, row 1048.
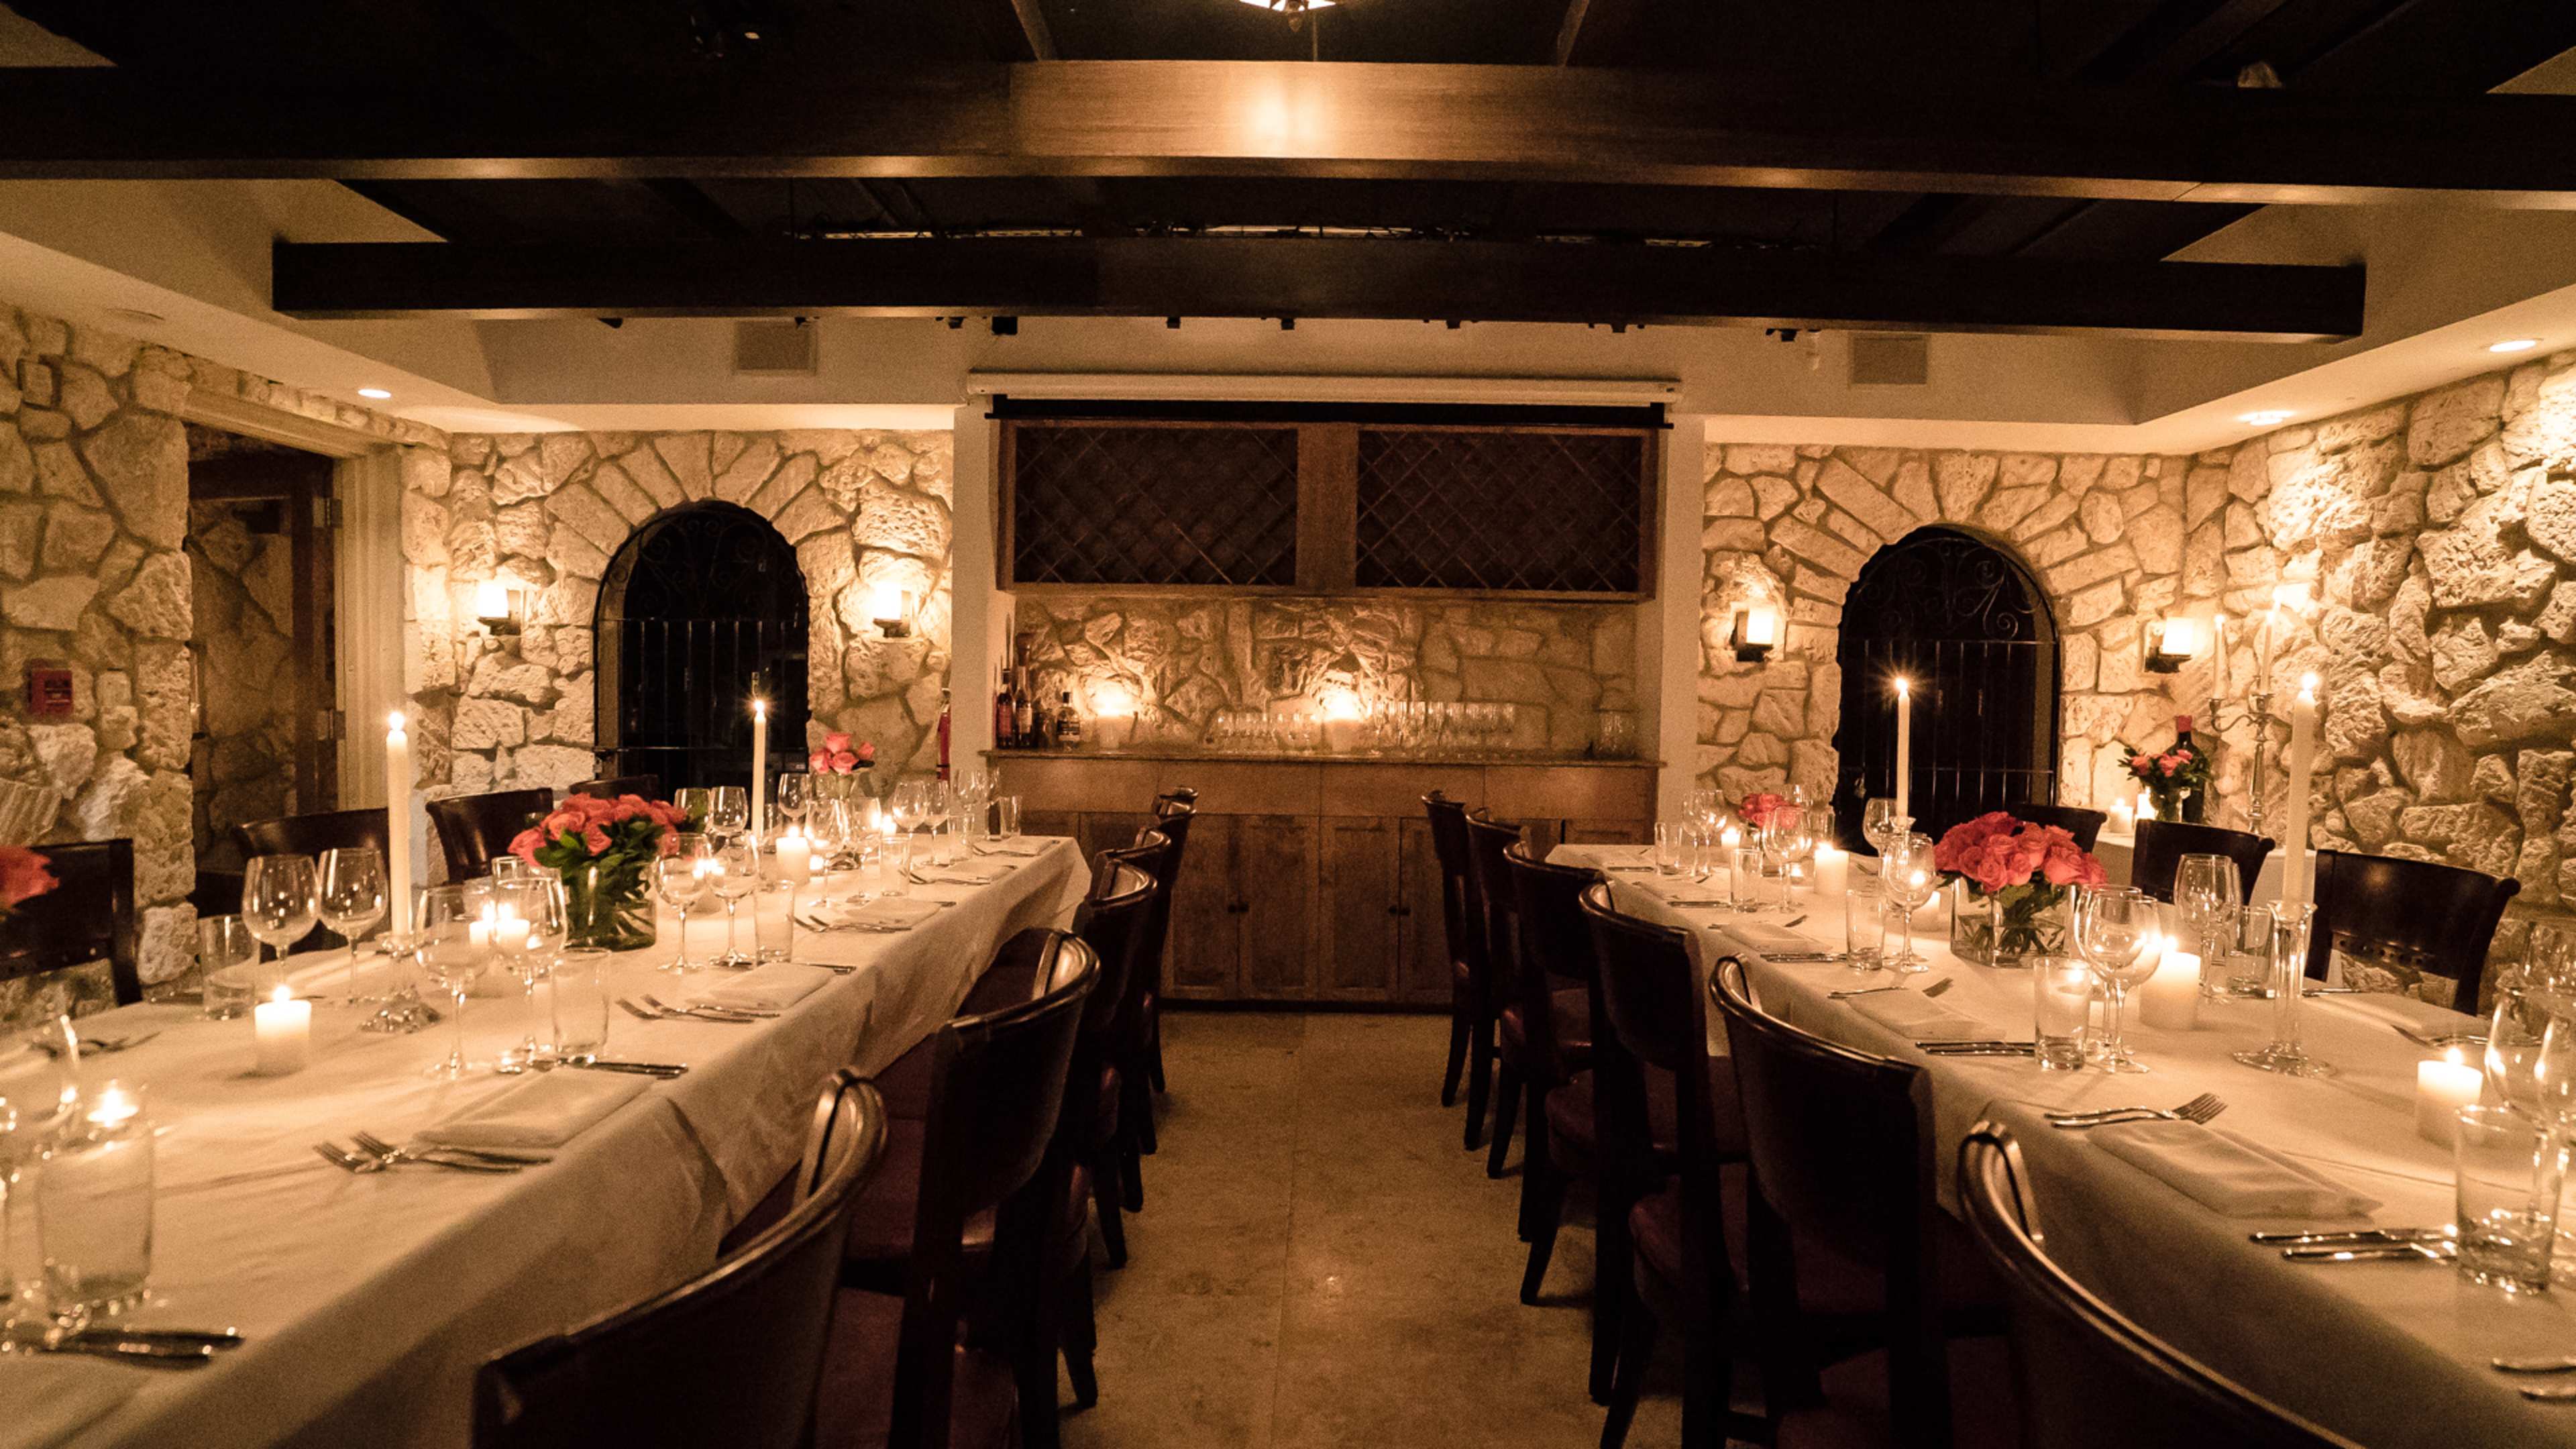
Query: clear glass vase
column 607, row 907
column 2009, row 928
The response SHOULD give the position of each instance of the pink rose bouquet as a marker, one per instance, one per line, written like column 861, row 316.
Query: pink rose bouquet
column 23, row 876
column 603, row 848
column 838, row 757
column 2173, row 773
column 2023, row 870
column 1757, row 808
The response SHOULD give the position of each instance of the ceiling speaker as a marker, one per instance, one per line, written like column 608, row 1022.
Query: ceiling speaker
column 774, row 349
column 1890, row 359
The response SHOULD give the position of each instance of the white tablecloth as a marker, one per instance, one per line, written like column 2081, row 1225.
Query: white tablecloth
column 2389, row 1354
column 369, row 1301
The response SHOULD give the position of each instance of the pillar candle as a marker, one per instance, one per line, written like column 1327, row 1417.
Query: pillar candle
column 2296, row 888
column 759, row 767
column 795, row 858
column 398, row 824
column 2217, row 662
column 1832, row 872
column 1904, row 744
column 283, row 1029
column 2443, row 1086
column 509, row 933
column 2169, row 1000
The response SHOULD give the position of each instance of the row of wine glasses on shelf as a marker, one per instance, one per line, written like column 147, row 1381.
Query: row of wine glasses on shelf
column 1401, row 727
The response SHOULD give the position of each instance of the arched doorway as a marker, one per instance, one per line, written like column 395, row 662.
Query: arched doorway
column 699, row 605
column 1968, row 624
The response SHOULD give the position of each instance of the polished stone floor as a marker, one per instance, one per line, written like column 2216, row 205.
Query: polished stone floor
column 1320, row 1261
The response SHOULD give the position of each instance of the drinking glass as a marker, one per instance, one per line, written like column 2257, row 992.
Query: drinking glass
column 444, row 947
column 1672, row 848
column 1864, row 921
column 1006, row 818
column 228, row 967
column 577, row 993
column 39, row 1089
column 1910, row 881
column 680, row 878
column 2287, row 973
column 94, row 1204
column 795, row 792
column 349, row 895
column 278, row 899
column 735, row 876
column 728, row 812
column 2205, row 892
column 2115, row 928
column 2507, row 1206
column 695, row 806
column 2061, row 1004
column 941, row 811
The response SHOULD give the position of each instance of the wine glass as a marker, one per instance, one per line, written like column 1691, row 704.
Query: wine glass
column 2205, row 892
column 2527, row 1000
column 680, row 878
column 1878, row 822
column 909, row 807
column 278, row 899
column 736, row 874
column 695, row 806
column 1789, row 842
column 2115, row 930
column 942, row 811
column 795, row 793
column 443, row 944
column 1910, row 881
column 349, row 895
column 540, row 904
column 728, row 812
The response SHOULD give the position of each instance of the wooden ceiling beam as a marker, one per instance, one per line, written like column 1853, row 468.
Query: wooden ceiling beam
column 1324, row 121
column 1317, row 278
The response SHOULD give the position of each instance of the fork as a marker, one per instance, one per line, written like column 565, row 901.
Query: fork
column 2199, row 1109
column 369, row 1142
column 653, row 1010
column 366, row 1162
column 1937, row 986
column 717, row 1013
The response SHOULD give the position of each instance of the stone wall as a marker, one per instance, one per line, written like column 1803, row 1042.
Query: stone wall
column 2426, row 549
column 1181, row 660
column 550, row 510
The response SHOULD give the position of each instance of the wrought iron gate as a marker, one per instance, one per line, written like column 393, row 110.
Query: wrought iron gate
column 1969, row 627
column 698, row 605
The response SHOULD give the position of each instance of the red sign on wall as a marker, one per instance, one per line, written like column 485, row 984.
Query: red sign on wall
column 49, row 689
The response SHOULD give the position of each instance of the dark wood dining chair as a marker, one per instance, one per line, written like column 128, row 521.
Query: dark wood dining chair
column 648, row 786
column 1678, row 1272
column 2084, row 825
column 2163, row 843
column 2085, row 1376
column 1492, row 910
column 1850, row 1252
column 471, row 829
column 733, row 1356
column 311, row 835
column 1174, row 809
column 1114, row 920
column 1449, row 851
column 1545, row 1038
column 1157, row 852
column 968, row 1207
column 86, row 918
column 2437, row 920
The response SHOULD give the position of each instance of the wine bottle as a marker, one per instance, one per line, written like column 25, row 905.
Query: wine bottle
column 1068, row 725
column 943, row 734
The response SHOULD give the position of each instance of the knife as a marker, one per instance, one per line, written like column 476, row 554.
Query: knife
column 2370, row 1253
column 2362, row 1236
column 178, row 1337
column 648, row 1069
column 137, row 1351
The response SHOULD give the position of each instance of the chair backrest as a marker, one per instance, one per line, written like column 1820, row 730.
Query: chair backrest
column 2163, row 843
column 648, row 786
column 731, row 1357
column 2084, row 825
column 472, row 829
column 1158, row 855
column 1181, row 795
column 2086, row 1377
column 313, row 834
column 2437, row 919
column 1449, row 848
column 1116, row 921
column 1489, row 901
column 1556, row 947
column 88, row 916
column 1172, row 816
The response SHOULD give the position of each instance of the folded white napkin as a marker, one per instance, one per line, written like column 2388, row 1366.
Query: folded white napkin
column 768, row 988
column 1769, row 940
column 980, row 872
column 899, row 912
column 543, row 1111
column 1017, row 845
column 51, row 1399
column 2228, row 1174
column 1917, row 1017
column 2403, row 1011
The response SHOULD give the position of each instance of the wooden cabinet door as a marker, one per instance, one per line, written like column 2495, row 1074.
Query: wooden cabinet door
column 1422, row 974
column 1276, row 884
column 1363, row 931
column 1201, row 956
column 1609, row 832
column 1051, row 822
column 1101, row 830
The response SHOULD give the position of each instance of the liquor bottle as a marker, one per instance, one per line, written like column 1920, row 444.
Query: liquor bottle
column 1068, row 725
column 943, row 735
column 1024, row 713
column 1005, row 728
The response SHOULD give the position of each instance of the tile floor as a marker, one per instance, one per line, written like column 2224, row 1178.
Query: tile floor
column 1321, row 1262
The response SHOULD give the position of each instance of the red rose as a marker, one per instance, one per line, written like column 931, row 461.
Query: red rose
column 527, row 843
column 595, row 840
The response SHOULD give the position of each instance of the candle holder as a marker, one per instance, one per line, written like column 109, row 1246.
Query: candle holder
column 2257, row 713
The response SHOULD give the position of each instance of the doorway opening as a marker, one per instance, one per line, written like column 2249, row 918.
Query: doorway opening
column 702, row 607
column 1967, row 624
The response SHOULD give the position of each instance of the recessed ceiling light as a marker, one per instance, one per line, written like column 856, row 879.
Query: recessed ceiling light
column 1291, row 7
column 2268, row 417
column 379, row 394
column 2514, row 344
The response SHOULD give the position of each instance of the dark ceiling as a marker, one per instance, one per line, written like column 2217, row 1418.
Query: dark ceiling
column 2393, row 47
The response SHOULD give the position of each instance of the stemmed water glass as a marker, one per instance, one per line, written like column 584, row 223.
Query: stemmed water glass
column 735, row 876
column 1879, row 823
column 349, row 896
column 909, row 807
column 2115, row 930
column 278, row 899
column 941, row 820
column 1789, row 842
column 1910, row 881
column 39, row 1091
column 680, row 878
column 539, row 901
column 2205, row 892
column 696, row 805
column 795, row 793
column 2285, row 958
column 728, row 812
column 2527, row 1000
column 443, row 944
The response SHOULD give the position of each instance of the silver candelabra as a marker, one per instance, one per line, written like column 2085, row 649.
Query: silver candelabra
column 2258, row 713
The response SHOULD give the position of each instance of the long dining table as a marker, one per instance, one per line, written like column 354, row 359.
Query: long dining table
column 2392, row 1354
column 368, row 1301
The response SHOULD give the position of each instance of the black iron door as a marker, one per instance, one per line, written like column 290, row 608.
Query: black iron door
column 1967, row 626
column 704, row 603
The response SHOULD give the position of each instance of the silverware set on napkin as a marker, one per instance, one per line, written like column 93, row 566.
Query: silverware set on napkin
column 1949, row 1048
column 2366, row 1245
column 2440, row 1038
column 374, row 1154
column 650, row 1009
column 813, row 922
column 2199, row 1109
column 1938, row 985
column 181, row 1348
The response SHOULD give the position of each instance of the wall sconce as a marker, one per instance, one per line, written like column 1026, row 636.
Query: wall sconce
column 500, row 605
column 891, row 607
column 1756, row 633
column 2173, row 642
